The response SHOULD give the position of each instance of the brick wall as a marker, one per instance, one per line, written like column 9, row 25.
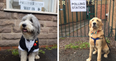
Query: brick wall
column 101, row 7
column 101, row 11
column 9, row 27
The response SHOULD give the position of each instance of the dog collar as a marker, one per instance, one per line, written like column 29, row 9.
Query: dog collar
column 95, row 40
column 95, row 32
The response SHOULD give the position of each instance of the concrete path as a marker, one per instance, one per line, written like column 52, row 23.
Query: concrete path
column 50, row 55
column 82, row 55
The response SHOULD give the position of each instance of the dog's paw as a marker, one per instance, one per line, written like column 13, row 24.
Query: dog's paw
column 94, row 52
column 37, row 57
column 105, row 56
column 98, row 59
column 88, row 59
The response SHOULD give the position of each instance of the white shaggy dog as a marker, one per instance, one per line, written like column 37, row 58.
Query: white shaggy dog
column 29, row 43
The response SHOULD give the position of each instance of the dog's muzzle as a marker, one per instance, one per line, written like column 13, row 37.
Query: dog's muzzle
column 24, row 28
column 24, row 25
column 94, row 25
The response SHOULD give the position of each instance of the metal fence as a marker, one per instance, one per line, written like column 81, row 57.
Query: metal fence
column 75, row 24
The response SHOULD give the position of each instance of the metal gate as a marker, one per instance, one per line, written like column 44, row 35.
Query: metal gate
column 75, row 24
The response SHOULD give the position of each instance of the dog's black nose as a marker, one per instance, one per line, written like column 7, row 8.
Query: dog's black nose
column 94, row 23
column 24, row 25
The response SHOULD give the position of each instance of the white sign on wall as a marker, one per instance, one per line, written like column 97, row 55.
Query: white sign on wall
column 78, row 5
column 32, row 8
column 31, row 5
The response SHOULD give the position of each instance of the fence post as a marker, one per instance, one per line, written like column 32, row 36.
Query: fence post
column 68, row 16
column 96, row 7
column 112, row 15
column 64, row 11
column 105, row 16
column 101, row 11
column 115, row 31
column 109, row 18
column 77, row 21
column 115, row 22
column 73, row 24
column 60, row 20
column 80, row 25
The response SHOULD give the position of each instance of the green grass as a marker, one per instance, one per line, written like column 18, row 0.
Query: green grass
column 80, row 45
column 54, row 47
column 51, row 48
column 14, row 51
column 41, row 51
column 67, row 34
column 62, row 38
column 77, row 45
column 84, row 45
column 107, row 40
column 48, row 48
column 9, row 50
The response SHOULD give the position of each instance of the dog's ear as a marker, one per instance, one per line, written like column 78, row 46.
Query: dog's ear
column 36, row 23
column 90, row 24
column 100, row 26
column 39, row 27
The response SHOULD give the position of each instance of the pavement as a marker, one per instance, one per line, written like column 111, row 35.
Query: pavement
column 82, row 55
column 50, row 55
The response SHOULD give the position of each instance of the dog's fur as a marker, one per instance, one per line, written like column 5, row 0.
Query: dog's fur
column 30, row 32
column 101, row 44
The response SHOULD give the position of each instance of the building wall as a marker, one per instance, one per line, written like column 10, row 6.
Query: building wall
column 101, row 7
column 9, row 27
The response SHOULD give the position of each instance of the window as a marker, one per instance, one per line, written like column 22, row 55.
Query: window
column 34, row 6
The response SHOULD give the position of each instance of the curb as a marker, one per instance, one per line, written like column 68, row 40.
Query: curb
column 16, row 47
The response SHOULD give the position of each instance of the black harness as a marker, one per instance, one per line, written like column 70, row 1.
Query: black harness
column 23, row 45
column 95, row 40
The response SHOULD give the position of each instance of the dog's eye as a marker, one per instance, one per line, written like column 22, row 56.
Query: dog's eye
column 31, row 20
column 23, row 19
column 97, row 20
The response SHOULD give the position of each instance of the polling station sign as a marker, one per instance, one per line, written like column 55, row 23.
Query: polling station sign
column 31, row 5
column 32, row 8
column 78, row 5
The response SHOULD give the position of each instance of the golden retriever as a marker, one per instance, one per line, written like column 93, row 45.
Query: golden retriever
column 96, row 39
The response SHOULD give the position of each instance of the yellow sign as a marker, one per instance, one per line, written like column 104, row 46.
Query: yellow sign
column 63, row 2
